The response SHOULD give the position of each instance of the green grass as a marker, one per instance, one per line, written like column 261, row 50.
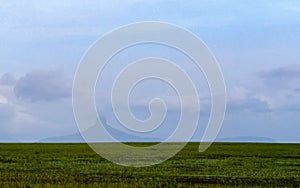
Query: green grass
column 222, row 165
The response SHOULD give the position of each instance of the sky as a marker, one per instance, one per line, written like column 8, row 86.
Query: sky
column 256, row 43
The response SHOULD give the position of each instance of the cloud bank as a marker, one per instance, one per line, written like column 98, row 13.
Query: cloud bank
column 43, row 85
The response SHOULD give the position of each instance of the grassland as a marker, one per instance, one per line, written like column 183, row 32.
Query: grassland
column 222, row 165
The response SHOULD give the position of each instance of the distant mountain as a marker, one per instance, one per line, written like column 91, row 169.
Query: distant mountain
column 73, row 138
column 93, row 134
column 119, row 135
column 125, row 137
column 247, row 139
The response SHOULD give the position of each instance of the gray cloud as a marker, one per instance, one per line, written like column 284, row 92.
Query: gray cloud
column 42, row 85
column 7, row 79
column 287, row 72
column 297, row 89
column 285, row 79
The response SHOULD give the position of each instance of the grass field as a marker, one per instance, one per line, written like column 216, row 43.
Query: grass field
column 222, row 165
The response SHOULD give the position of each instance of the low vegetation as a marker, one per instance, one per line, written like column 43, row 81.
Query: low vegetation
column 222, row 165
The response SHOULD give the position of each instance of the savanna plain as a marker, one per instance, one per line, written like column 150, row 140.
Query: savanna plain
column 222, row 165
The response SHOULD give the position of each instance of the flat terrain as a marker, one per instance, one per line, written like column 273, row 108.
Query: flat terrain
column 222, row 165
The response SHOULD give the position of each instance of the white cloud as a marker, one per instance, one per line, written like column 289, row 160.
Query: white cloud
column 3, row 100
column 242, row 100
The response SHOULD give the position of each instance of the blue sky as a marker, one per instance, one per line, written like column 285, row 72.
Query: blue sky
column 256, row 43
